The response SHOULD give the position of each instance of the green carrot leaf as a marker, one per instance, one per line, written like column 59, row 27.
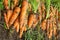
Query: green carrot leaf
column 1, row 5
column 5, row 26
column 9, row 3
column 34, row 4
column 47, row 8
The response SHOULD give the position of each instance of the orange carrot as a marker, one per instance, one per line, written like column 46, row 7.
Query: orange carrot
column 23, row 28
column 17, row 28
column 51, row 8
column 40, row 13
column 23, row 12
column 50, row 34
column 55, row 31
column 30, row 20
column 22, row 16
column 43, row 24
column 14, row 15
column 55, row 23
column 25, row 23
column 52, row 12
column 16, row 25
column 43, row 7
column 5, row 17
column 5, row 2
column 35, row 21
column 21, row 32
column 50, row 27
column 47, row 27
column 9, row 14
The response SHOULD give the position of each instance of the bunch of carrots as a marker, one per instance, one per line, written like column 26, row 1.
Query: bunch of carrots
column 17, row 16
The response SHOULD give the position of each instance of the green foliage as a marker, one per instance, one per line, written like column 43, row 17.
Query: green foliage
column 9, row 3
column 56, row 3
column 34, row 4
column 1, row 4
column 48, row 7
column 28, row 35
column 5, row 26
column 1, row 0
column 34, row 34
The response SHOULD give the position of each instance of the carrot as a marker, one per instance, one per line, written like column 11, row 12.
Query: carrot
column 43, row 7
column 35, row 21
column 43, row 10
column 25, row 23
column 21, row 32
column 5, row 17
column 9, row 14
column 16, row 25
column 43, row 24
column 14, row 15
column 47, row 27
column 55, row 23
column 5, row 2
column 51, row 8
column 55, row 31
column 23, row 12
column 50, row 27
column 52, row 12
column 50, row 34
column 23, row 28
column 30, row 20
column 40, row 13
column 17, row 28
column 35, row 24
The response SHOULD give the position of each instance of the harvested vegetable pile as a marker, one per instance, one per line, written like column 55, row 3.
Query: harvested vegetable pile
column 23, row 15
